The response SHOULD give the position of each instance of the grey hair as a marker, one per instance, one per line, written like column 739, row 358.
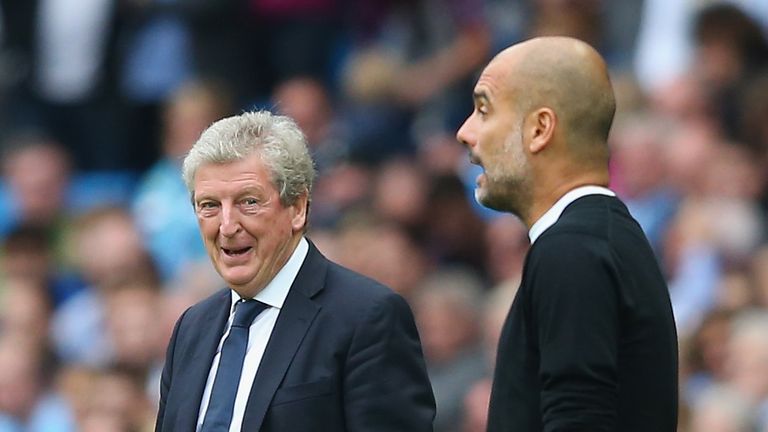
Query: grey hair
column 277, row 139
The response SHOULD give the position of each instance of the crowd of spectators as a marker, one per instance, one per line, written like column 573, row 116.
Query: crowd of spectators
column 100, row 253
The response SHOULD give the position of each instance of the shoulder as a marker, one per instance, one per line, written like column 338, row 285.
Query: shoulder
column 591, row 215
column 560, row 255
column 583, row 249
column 201, row 310
column 343, row 281
column 581, row 242
column 353, row 294
column 223, row 295
column 593, row 219
column 342, row 278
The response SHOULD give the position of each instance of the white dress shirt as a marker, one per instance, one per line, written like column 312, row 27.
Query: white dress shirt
column 273, row 295
column 553, row 214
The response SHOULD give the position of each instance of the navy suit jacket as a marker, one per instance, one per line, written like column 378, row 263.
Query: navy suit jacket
column 344, row 356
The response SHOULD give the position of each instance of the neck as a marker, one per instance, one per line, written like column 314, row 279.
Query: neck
column 548, row 194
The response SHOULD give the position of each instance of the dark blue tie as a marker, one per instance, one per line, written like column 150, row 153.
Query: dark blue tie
column 222, row 401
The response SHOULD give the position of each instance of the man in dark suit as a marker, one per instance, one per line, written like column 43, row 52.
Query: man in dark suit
column 589, row 343
column 297, row 343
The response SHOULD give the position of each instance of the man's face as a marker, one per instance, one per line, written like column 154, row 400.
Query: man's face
column 248, row 233
column 493, row 136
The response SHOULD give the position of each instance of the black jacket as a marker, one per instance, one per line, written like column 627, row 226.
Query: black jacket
column 590, row 341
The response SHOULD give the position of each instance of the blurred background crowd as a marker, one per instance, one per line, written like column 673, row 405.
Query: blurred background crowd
column 100, row 100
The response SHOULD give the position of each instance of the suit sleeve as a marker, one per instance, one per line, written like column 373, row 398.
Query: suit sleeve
column 576, row 318
column 386, row 387
column 166, row 378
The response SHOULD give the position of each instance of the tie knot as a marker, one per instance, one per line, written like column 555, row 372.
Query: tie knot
column 246, row 311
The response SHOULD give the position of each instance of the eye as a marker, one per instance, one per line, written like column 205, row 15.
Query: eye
column 207, row 208
column 250, row 204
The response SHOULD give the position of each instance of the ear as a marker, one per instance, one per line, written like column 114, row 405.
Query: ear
column 542, row 128
column 300, row 209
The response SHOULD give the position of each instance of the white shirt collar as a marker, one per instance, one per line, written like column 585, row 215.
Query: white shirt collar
column 553, row 214
column 276, row 291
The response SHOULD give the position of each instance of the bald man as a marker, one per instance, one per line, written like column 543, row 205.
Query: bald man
column 590, row 342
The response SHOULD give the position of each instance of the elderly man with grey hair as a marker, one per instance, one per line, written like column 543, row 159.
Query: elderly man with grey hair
column 296, row 342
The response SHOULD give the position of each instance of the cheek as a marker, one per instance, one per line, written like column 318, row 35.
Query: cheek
column 493, row 141
column 209, row 228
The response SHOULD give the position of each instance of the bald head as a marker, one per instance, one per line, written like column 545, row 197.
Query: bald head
column 569, row 77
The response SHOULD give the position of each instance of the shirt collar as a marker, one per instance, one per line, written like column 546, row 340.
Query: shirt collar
column 553, row 214
column 276, row 291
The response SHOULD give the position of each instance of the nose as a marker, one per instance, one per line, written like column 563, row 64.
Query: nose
column 230, row 222
column 465, row 135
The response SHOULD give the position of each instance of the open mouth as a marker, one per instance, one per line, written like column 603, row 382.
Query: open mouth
column 236, row 252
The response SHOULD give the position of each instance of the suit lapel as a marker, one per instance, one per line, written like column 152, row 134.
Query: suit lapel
column 295, row 318
column 200, row 348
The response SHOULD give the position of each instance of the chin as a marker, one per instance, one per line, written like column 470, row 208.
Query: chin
column 493, row 205
column 236, row 278
column 481, row 196
column 487, row 200
column 497, row 202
